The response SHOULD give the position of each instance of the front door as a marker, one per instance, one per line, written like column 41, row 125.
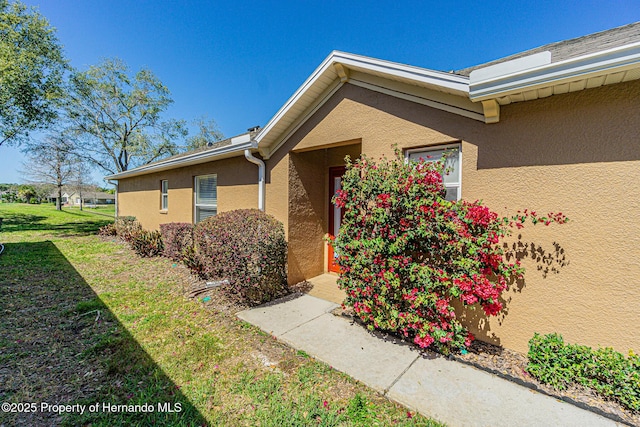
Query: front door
column 335, row 213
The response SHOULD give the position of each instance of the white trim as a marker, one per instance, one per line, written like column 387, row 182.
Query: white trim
column 511, row 67
column 190, row 159
column 266, row 154
column 456, row 145
column 437, row 80
column 575, row 69
column 164, row 196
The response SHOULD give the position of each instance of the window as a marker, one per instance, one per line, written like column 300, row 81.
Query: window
column 453, row 176
column 164, row 197
column 206, row 197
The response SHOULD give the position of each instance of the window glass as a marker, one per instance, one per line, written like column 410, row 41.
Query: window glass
column 452, row 176
column 206, row 198
column 164, row 202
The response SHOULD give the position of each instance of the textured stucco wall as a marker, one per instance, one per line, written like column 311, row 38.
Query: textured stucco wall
column 308, row 210
column 576, row 153
column 140, row 196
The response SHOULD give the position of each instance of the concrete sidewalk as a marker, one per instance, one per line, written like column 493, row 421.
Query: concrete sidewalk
column 448, row 391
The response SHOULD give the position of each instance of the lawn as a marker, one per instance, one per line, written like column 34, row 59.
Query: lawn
column 84, row 321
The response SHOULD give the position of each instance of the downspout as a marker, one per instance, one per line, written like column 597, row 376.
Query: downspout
column 261, row 181
column 115, row 184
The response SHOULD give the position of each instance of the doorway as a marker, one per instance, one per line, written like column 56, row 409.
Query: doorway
column 335, row 214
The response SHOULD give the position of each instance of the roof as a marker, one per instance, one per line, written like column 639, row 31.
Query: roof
column 229, row 147
column 603, row 58
column 437, row 89
column 89, row 195
column 575, row 47
column 599, row 59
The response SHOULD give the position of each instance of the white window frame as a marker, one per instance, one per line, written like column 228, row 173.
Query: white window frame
column 457, row 146
column 164, row 194
column 197, row 205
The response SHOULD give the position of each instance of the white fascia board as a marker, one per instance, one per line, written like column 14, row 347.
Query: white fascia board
column 510, row 67
column 449, row 82
column 192, row 159
column 583, row 67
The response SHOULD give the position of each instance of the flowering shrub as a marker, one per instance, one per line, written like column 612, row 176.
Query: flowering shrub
column 248, row 248
column 604, row 370
column 177, row 238
column 147, row 243
column 406, row 253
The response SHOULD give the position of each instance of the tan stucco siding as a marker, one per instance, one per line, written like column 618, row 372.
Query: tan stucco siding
column 575, row 153
column 140, row 196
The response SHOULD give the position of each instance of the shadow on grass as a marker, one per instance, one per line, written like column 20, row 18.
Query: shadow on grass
column 60, row 345
column 12, row 222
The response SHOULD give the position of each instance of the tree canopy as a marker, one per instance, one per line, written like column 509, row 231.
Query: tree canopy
column 116, row 116
column 32, row 67
column 208, row 133
column 52, row 162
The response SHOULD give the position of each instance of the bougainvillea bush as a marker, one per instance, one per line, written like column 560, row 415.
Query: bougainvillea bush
column 246, row 247
column 406, row 253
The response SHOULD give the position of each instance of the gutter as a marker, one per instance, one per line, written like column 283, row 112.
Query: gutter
column 537, row 71
column 238, row 145
column 115, row 184
column 261, row 181
column 256, row 161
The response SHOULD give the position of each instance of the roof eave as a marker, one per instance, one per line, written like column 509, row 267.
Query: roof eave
column 337, row 66
column 572, row 70
column 233, row 150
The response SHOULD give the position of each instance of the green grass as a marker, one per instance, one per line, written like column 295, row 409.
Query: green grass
column 83, row 320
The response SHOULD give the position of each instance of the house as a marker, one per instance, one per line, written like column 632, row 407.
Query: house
column 89, row 198
column 553, row 129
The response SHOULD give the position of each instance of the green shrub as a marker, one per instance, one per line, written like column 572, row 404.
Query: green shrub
column 246, row 247
column 147, row 243
column 127, row 227
column 178, row 240
column 604, row 370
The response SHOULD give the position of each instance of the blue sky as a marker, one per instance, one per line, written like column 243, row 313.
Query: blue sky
column 238, row 61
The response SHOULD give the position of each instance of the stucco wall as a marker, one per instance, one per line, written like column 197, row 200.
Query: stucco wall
column 576, row 153
column 140, row 196
column 309, row 207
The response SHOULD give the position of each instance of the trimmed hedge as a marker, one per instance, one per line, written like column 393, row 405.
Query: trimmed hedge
column 604, row 370
column 246, row 247
column 178, row 239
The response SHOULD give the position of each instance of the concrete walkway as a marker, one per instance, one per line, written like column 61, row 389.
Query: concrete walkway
column 451, row 392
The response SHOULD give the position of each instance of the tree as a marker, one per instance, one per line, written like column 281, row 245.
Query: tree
column 80, row 179
column 32, row 70
column 117, row 117
column 51, row 163
column 209, row 133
